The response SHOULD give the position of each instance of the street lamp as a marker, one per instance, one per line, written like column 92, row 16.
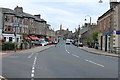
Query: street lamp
column 79, row 33
column 15, row 34
column 100, row 1
column 86, row 19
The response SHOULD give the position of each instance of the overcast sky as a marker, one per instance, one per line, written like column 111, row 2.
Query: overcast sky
column 69, row 13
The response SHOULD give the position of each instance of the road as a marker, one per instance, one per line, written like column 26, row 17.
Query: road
column 63, row 61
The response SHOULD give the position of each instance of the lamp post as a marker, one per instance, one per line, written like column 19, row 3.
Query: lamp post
column 15, row 25
column 78, row 32
column 100, row 1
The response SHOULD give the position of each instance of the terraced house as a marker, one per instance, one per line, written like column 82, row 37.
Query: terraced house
column 18, row 26
column 109, row 28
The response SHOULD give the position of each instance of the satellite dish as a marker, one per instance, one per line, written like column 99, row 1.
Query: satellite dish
column 100, row 1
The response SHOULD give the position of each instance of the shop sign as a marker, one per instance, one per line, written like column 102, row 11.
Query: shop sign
column 118, row 32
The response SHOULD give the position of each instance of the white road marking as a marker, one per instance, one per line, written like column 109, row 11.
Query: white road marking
column 94, row 62
column 35, row 60
column 33, row 67
column 75, row 55
column 32, row 75
column 30, row 55
column 33, row 71
column 67, row 50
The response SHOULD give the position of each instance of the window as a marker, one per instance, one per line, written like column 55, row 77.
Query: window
column 13, row 29
column 5, row 28
column 5, row 38
column 12, row 19
column 25, row 21
column 109, row 22
column 100, row 26
column 104, row 24
column 17, row 39
column 9, row 28
column 10, row 39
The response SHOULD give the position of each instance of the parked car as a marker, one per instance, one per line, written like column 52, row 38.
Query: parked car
column 79, row 44
column 36, row 42
column 43, row 43
column 68, row 41
column 55, row 42
column 49, row 42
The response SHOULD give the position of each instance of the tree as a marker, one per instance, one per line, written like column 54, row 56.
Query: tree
column 95, row 36
column 92, row 39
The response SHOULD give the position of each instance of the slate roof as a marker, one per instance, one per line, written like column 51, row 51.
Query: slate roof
column 23, row 14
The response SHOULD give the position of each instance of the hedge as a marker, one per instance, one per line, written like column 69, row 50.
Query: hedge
column 8, row 46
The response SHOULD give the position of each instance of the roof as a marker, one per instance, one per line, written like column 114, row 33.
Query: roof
column 82, row 31
column 23, row 14
column 106, row 13
column 34, row 38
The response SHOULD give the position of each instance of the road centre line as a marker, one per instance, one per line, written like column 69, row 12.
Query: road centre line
column 75, row 55
column 67, row 50
column 33, row 67
column 94, row 62
column 30, row 55
column 32, row 75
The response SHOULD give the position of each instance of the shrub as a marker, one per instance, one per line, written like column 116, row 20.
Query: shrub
column 8, row 46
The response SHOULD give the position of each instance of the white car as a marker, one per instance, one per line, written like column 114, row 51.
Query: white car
column 68, row 41
column 43, row 43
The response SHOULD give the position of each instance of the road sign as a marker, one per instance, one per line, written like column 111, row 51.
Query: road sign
column 15, row 24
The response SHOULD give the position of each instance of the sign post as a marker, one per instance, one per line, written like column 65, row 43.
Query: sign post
column 15, row 25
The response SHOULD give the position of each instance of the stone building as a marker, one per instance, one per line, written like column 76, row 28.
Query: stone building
column 108, row 27
column 87, row 32
column 18, row 26
column 64, row 33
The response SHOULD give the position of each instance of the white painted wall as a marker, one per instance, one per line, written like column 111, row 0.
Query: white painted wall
column 13, row 37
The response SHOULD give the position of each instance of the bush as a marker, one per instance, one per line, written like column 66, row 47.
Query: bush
column 8, row 46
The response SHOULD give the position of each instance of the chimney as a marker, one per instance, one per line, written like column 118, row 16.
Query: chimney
column 113, row 3
column 18, row 9
column 38, row 16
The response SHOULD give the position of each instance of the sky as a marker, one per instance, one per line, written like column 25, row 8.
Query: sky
column 69, row 13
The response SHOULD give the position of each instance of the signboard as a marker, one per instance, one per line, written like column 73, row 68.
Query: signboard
column 100, row 34
column 15, row 24
column 107, row 33
column 118, row 32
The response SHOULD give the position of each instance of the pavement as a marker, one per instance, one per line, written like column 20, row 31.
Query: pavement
column 32, row 50
column 97, row 51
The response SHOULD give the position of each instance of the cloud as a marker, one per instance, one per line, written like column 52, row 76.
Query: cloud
column 70, row 13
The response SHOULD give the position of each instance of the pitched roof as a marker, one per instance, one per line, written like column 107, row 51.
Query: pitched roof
column 23, row 14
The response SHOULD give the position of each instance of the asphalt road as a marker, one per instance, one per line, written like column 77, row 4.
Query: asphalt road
column 63, row 61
